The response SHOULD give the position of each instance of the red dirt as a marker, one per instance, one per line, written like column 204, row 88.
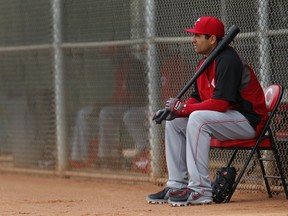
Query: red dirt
column 42, row 195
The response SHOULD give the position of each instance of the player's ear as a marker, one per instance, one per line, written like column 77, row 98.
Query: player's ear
column 213, row 39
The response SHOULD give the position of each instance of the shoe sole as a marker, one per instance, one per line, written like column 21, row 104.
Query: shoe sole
column 157, row 201
column 178, row 204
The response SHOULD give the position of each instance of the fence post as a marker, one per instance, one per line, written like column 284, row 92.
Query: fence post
column 60, row 121
column 153, row 90
column 264, row 44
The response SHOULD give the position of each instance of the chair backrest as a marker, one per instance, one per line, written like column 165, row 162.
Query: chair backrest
column 273, row 96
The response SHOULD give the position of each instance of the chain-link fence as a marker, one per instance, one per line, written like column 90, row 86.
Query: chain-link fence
column 80, row 80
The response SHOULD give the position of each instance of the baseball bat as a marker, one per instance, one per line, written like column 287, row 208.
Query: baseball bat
column 231, row 34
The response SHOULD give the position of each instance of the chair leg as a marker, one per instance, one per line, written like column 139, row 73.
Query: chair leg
column 238, row 179
column 232, row 158
column 264, row 174
column 280, row 169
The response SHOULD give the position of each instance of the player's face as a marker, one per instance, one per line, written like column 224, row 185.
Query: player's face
column 202, row 44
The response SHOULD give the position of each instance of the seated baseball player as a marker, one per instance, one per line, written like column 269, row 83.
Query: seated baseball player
column 227, row 102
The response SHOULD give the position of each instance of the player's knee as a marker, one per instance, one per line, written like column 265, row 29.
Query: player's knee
column 173, row 125
column 168, row 124
column 197, row 118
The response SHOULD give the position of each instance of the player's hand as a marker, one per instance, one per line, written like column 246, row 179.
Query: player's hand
column 174, row 105
column 159, row 113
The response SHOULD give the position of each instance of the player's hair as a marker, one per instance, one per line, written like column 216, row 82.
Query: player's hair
column 207, row 36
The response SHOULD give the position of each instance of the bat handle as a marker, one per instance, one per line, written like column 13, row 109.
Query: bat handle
column 162, row 117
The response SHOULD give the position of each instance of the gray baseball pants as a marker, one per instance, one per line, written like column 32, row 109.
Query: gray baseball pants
column 187, row 143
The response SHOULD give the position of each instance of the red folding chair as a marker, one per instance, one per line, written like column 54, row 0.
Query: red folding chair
column 265, row 141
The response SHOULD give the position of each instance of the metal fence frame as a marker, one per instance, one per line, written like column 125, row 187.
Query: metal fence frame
column 151, row 40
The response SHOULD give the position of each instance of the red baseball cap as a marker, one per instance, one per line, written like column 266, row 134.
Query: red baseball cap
column 208, row 25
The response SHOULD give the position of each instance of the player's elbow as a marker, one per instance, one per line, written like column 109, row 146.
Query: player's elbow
column 220, row 105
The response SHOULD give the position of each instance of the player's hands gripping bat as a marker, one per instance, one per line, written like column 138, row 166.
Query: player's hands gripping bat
column 160, row 112
column 174, row 105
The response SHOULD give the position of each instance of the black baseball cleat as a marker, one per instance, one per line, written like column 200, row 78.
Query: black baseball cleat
column 160, row 197
column 188, row 197
column 163, row 196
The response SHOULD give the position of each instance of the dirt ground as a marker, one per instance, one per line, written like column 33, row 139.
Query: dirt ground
column 42, row 195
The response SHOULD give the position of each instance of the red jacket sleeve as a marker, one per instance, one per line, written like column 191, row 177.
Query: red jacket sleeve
column 210, row 104
column 191, row 100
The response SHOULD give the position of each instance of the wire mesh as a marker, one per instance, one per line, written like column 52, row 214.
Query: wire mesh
column 117, row 55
